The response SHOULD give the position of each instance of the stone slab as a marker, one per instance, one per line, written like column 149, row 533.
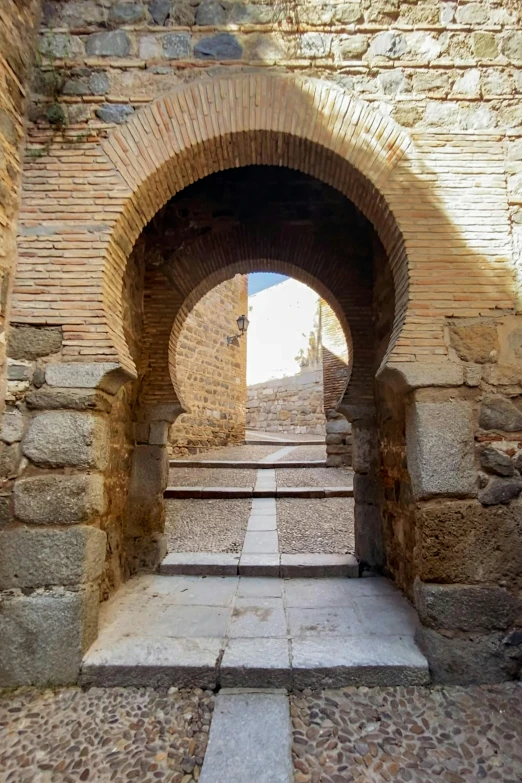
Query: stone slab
column 250, row 740
column 316, row 593
column 261, row 522
column 259, row 587
column 246, row 464
column 259, row 618
column 200, row 564
column 259, row 565
column 261, row 542
column 259, row 442
column 339, row 661
column 300, row 492
column 386, row 615
column 324, row 621
column 155, row 663
column 249, row 664
column 207, row 492
column 318, row 565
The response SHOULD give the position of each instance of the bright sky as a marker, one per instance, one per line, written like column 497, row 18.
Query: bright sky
column 258, row 281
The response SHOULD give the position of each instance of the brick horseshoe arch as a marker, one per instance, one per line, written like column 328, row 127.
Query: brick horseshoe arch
column 228, row 122
column 250, row 264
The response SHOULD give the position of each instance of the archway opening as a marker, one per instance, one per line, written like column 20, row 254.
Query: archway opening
column 269, row 219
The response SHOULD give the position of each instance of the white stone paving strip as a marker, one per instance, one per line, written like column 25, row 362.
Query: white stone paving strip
column 250, row 739
column 277, row 455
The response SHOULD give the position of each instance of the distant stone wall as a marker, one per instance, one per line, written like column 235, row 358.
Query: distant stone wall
column 17, row 25
column 334, row 351
column 292, row 404
column 211, row 373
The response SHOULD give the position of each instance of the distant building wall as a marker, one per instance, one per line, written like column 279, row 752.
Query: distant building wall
column 212, row 374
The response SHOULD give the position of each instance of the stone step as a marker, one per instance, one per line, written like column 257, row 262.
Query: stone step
column 233, row 632
column 259, row 442
column 250, row 739
column 227, row 493
column 311, row 566
column 246, row 465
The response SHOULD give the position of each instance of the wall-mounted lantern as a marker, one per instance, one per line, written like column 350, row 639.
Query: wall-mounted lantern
column 242, row 325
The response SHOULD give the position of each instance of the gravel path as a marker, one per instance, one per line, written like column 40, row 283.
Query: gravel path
column 236, row 452
column 101, row 735
column 314, row 477
column 410, row 735
column 206, row 525
column 306, row 452
column 211, row 477
column 315, row 525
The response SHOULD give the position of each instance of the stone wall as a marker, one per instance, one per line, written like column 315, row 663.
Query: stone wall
column 292, row 404
column 336, row 370
column 212, row 374
column 17, row 33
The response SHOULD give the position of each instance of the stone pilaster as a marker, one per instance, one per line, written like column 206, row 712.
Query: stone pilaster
column 56, row 508
column 145, row 544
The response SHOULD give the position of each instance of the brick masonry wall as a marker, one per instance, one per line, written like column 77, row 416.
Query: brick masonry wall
column 17, row 34
column 292, row 404
column 434, row 67
column 212, row 374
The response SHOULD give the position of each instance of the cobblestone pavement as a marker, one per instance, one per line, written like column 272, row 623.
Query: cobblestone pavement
column 315, row 525
column 305, row 452
column 314, row 477
column 101, row 735
column 410, row 735
column 247, row 453
column 211, row 477
column 206, row 525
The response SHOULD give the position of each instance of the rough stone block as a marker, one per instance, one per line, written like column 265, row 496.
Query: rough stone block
column 474, row 342
column 464, row 607
column 463, row 542
column 126, row 13
column 19, row 371
column 115, row 112
column 159, row 10
column 106, row 376
column 150, row 470
column 10, row 456
column 176, row 46
column 111, row 44
column 366, row 488
column 440, row 450
column 337, row 426
column 59, row 500
column 222, row 46
column 369, row 548
column 500, row 490
column 494, row 461
column 44, row 635
column 468, row 659
column 63, row 438
column 500, row 413
column 12, row 426
column 74, row 399
column 210, row 12
column 364, row 445
column 32, row 558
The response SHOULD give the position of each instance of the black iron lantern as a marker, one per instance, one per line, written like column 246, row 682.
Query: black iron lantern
column 242, row 325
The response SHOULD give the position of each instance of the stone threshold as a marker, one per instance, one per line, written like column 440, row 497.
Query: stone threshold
column 229, row 493
column 292, row 566
column 246, row 465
